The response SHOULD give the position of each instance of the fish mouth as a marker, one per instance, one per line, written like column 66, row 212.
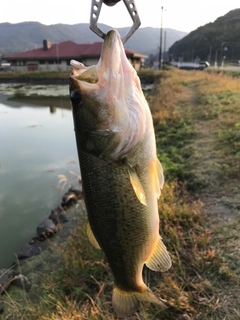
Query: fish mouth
column 111, row 65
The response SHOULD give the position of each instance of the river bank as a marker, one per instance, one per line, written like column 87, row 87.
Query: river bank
column 36, row 77
column 36, row 255
column 197, row 119
column 147, row 76
column 37, row 144
column 41, row 165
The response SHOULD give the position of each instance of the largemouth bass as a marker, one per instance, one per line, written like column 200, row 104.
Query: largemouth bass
column 122, row 177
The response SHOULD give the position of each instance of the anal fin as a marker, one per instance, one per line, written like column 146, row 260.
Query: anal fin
column 92, row 238
column 160, row 259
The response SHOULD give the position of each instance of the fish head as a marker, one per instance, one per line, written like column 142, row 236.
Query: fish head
column 107, row 100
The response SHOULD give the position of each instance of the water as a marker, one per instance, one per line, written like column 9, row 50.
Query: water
column 37, row 143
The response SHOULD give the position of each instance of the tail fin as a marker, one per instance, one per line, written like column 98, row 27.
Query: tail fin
column 127, row 303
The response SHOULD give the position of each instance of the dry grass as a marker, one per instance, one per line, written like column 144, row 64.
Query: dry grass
column 203, row 240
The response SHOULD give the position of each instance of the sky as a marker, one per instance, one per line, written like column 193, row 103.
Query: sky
column 179, row 14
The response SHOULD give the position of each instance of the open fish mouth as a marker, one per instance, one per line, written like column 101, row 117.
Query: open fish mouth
column 112, row 60
column 113, row 86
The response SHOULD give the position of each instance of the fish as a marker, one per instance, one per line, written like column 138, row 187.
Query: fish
column 121, row 175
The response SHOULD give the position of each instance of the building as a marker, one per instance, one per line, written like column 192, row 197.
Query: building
column 54, row 57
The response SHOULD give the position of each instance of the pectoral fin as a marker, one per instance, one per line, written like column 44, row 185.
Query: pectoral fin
column 160, row 259
column 92, row 238
column 157, row 177
column 137, row 186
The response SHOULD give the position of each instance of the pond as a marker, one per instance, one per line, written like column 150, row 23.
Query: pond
column 37, row 143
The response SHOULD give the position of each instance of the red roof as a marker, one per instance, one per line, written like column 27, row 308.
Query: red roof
column 93, row 49
column 67, row 49
column 63, row 49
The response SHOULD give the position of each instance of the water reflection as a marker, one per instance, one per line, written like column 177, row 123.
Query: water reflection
column 31, row 90
column 53, row 109
column 40, row 101
column 36, row 144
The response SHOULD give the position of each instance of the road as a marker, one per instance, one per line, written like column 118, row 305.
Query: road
column 227, row 68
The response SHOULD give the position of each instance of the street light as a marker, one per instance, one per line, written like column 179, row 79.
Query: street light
column 224, row 57
column 216, row 53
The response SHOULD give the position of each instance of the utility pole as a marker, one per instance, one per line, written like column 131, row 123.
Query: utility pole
column 160, row 47
column 164, row 47
column 222, row 44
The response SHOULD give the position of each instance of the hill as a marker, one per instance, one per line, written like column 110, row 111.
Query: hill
column 29, row 35
column 213, row 40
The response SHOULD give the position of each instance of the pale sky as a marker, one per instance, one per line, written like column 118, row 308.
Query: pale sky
column 180, row 15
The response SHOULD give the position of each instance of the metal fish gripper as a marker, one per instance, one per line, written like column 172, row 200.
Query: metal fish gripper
column 95, row 13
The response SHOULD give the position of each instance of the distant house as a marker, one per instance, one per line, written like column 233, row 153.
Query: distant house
column 53, row 57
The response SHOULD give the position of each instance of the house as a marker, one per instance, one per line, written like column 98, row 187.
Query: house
column 54, row 57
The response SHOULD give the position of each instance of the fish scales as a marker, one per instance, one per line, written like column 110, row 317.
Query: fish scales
column 121, row 175
column 115, row 213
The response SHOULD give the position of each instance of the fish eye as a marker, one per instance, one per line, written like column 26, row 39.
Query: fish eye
column 75, row 97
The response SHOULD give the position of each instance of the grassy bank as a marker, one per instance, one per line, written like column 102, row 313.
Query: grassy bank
column 233, row 74
column 21, row 76
column 45, row 77
column 196, row 117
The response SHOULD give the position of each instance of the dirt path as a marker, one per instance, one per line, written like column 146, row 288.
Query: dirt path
column 216, row 194
column 220, row 196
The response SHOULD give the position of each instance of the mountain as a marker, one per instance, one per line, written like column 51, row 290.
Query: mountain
column 30, row 35
column 211, row 41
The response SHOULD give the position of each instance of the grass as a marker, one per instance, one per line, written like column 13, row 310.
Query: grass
column 81, row 285
column 220, row 104
column 149, row 76
column 233, row 74
column 194, row 146
column 26, row 75
column 146, row 75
